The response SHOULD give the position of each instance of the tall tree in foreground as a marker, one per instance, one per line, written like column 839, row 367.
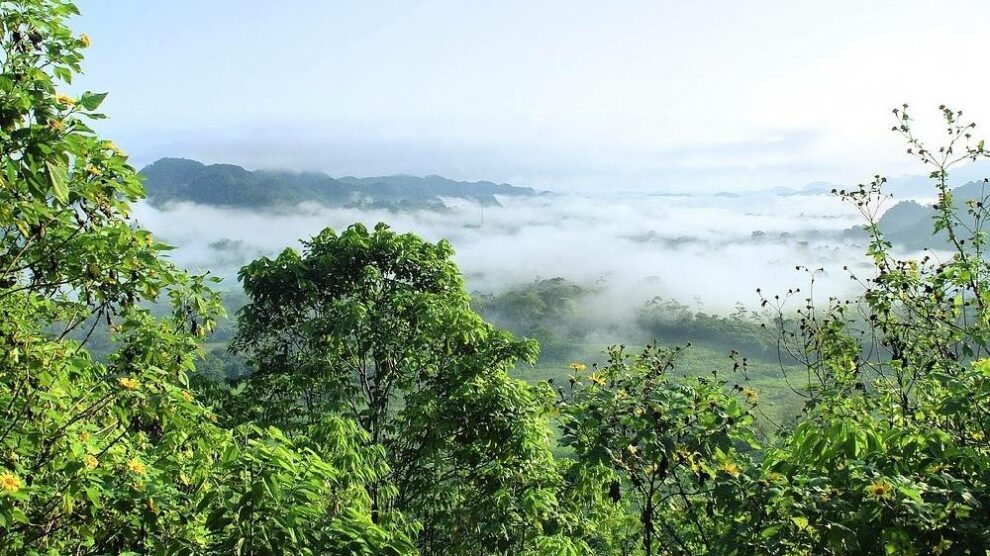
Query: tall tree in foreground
column 377, row 326
column 117, row 456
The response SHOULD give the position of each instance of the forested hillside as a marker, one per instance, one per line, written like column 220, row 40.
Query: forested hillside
column 909, row 223
column 179, row 179
column 379, row 410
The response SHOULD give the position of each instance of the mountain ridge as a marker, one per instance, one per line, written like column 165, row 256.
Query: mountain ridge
column 909, row 223
column 181, row 179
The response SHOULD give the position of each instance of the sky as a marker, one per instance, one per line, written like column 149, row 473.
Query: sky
column 575, row 95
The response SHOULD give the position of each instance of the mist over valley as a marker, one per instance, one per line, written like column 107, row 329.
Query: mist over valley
column 633, row 245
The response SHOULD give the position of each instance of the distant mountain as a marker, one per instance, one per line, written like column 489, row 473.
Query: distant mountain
column 813, row 188
column 901, row 187
column 178, row 179
column 921, row 187
column 909, row 223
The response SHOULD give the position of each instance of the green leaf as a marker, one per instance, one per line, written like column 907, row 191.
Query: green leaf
column 57, row 175
column 18, row 516
column 911, row 493
column 91, row 101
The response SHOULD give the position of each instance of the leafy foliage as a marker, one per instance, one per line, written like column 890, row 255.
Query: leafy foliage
column 679, row 450
column 891, row 456
column 117, row 455
column 377, row 326
column 381, row 417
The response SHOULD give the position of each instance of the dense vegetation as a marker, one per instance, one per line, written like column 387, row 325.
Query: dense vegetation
column 380, row 414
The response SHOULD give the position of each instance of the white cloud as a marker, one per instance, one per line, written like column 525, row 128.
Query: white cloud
column 632, row 247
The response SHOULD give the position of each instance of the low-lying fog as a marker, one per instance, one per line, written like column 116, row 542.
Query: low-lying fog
column 712, row 249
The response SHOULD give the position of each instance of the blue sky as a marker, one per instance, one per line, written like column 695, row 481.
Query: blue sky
column 646, row 95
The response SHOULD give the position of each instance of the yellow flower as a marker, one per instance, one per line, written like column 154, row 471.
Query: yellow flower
column 694, row 465
column 879, row 489
column 136, row 466
column 91, row 461
column 93, row 170
column 187, row 396
column 114, row 148
column 9, row 482
column 731, row 468
column 751, row 395
column 84, row 40
column 57, row 125
column 65, row 99
column 577, row 366
column 84, row 436
column 597, row 379
column 129, row 383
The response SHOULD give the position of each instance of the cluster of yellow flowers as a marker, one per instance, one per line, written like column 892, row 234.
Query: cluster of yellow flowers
column 65, row 99
column 9, row 482
column 129, row 383
column 84, row 40
column 91, row 461
column 577, row 366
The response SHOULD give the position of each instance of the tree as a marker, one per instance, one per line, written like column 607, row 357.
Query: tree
column 677, row 451
column 119, row 456
column 892, row 453
column 377, row 326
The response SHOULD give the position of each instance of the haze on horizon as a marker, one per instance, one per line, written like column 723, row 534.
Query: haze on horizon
column 577, row 95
